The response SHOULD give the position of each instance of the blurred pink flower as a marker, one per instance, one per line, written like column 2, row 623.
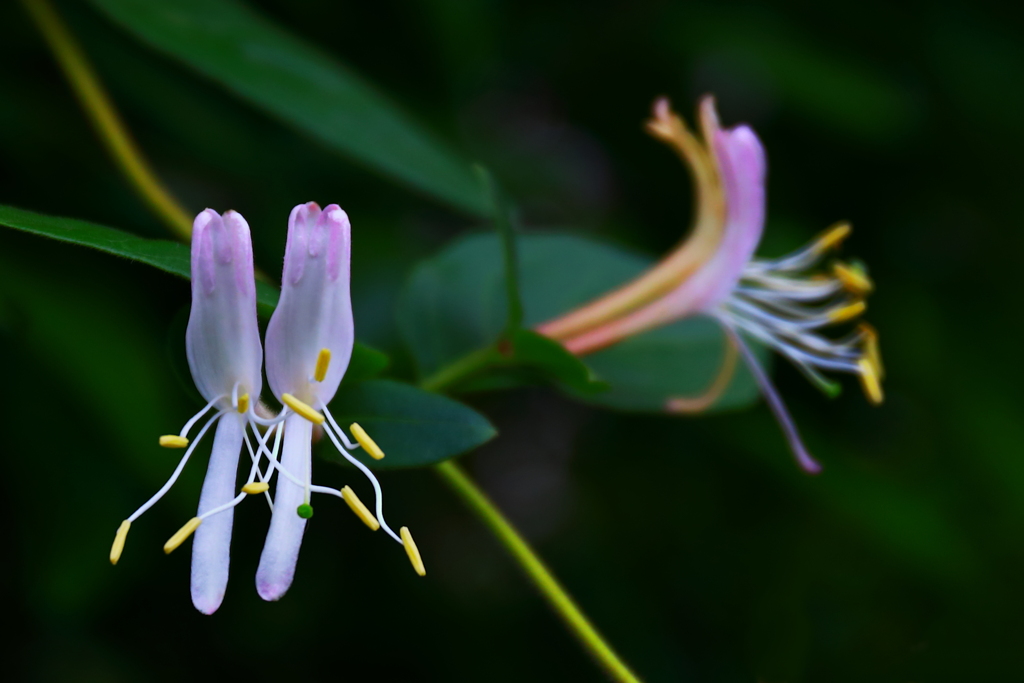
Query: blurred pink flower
column 782, row 303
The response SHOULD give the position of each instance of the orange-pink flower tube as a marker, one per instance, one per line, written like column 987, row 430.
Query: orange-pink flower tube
column 782, row 303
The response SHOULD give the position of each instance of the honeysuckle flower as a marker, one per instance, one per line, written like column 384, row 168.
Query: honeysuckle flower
column 309, row 344
column 782, row 303
column 226, row 358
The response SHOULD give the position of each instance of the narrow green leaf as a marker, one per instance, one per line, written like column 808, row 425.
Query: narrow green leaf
column 269, row 67
column 170, row 257
column 413, row 427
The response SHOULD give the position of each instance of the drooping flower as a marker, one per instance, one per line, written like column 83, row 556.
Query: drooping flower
column 782, row 303
column 309, row 344
column 226, row 358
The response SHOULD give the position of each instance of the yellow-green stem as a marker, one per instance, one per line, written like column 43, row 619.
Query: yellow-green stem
column 538, row 572
column 105, row 119
column 464, row 367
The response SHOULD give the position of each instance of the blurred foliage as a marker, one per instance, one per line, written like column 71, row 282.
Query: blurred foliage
column 456, row 302
column 695, row 545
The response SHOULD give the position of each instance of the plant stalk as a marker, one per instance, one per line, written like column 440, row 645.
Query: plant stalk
column 536, row 570
column 104, row 118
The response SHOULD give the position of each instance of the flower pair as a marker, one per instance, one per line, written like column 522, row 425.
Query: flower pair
column 309, row 343
column 782, row 303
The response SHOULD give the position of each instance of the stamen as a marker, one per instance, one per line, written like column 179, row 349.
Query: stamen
column 338, row 430
column 853, row 278
column 302, row 409
column 195, row 418
column 305, row 511
column 173, row 441
column 362, row 512
column 255, row 487
column 871, row 351
column 869, row 381
column 847, row 312
column 183, row 533
column 261, row 448
column 833, row 236
column 412, row 551
column 368, row 444
column 177, row 471
column 243, row 404
column 369, row 475
column 118, row 547
column 322, row 363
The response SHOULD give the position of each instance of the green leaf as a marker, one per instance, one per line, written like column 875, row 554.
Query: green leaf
column 168, row 256
column 554, row 360
column 366, row 362
column 455, row 303
column 269, row 67
column 413, row 427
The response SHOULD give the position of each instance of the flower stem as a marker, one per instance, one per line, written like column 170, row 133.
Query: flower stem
column 535, row 568
column 105, row 119
column 460, row 369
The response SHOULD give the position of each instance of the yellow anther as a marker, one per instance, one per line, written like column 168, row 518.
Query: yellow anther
column 833, row 236
column 869, row 381
column 368, row 444
column 255, row 487
column 871, row 350
column 173, row 441
column 302, row 409
column 243, row 403
column 362, row 512
column 122, row 533
column 854, row 278
column 183, row 533
column 323, row 361
column 847, row 312
column 412, row 551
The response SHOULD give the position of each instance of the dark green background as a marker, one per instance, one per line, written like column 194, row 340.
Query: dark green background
column 696, row 545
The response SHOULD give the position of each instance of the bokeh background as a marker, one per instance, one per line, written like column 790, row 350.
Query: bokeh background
column 695, row 544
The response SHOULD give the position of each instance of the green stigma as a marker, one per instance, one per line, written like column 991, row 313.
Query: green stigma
column 305, row 511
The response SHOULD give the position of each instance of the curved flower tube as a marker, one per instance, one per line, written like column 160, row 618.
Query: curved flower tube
column 780, row 302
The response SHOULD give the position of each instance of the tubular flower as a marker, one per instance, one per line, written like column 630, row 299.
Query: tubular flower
column 226, row 358
column 309, row 344
column 783, row 303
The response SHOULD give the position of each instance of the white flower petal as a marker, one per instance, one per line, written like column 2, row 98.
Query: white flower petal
column 223, row 340
column 281, row 550
column 212, row 542
column 315, row 310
